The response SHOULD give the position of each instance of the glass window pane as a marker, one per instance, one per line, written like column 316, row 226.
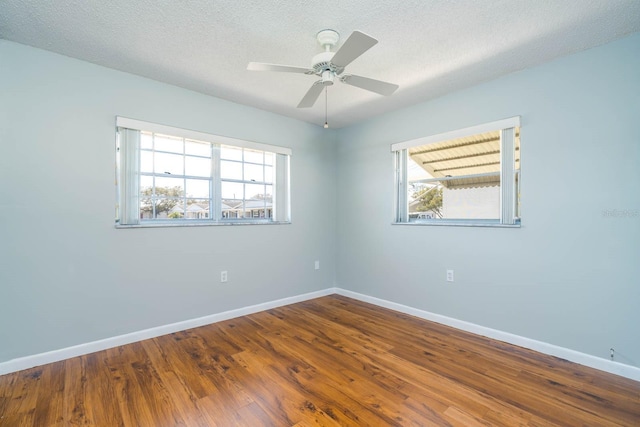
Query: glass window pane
column 425, row 201
column 231, row 170
column 268, row 192
column 146, row 185
column 415, row 171
column 198, row 188
column 169, row 209
column 230, row 153
column 259, row 206
column 197, row 209
column 146, row 161
column 146, row 204
column 268, row 158
column 455, row 199
column 197, row 166
column 168, row 143
column 471, row 203
column 232, row 190
column 254, row 156
column 197, row 148
column 254, row 191
column 169, row 164
column 169, row 187
column 245, row 213
column 146, row 140
column 253, row 173
column 268, row 174
column 175, row 212
column 231, row 208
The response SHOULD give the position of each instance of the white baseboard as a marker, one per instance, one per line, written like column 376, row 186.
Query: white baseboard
column 599, row 363
column 27, row 362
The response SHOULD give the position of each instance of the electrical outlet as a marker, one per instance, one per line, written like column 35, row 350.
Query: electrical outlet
column 449, row 275
column 317, row 265
column 223, row 277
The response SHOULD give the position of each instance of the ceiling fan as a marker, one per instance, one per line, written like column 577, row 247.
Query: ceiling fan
column 330, row 66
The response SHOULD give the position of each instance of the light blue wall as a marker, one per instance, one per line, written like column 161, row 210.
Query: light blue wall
column 67, row 276
column 568, row 277
column 571, row 275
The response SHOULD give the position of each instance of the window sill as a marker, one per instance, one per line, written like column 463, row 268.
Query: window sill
column 163, row 224
column 459, row 223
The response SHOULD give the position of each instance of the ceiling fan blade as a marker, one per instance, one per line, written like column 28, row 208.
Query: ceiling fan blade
column 357, row 44
column 259, row 66
column 377, row 86
column 312, row 95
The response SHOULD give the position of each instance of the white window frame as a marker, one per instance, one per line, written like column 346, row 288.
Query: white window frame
column 128, row 176
column 508, row 190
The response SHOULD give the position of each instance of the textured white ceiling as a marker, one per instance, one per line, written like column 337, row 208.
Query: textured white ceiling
column 428, row 47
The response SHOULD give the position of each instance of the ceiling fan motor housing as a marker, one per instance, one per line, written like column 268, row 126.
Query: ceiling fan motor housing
column 322, row 62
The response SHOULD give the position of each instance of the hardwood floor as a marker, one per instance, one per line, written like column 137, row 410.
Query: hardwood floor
column 332, row 361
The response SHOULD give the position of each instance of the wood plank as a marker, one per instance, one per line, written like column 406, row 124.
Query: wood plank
column 134, row 410
column 74, row 410
column 102, row 404
column 49, row 406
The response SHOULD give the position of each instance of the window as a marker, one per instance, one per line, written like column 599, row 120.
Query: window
column 465, row 177
column 172, row 176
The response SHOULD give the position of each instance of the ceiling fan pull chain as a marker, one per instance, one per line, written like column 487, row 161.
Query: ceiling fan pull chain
column 326, row 108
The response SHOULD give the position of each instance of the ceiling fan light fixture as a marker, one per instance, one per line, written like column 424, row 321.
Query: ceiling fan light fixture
column 327, row 77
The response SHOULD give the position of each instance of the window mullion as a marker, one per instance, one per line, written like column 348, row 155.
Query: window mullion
column 215, row 204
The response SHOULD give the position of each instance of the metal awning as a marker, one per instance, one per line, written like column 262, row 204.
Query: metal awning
column 474, row 159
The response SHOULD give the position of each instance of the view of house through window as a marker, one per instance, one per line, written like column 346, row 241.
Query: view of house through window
column 169, row 178
column 247, row 183
column 473, row 178
column 176, row 179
